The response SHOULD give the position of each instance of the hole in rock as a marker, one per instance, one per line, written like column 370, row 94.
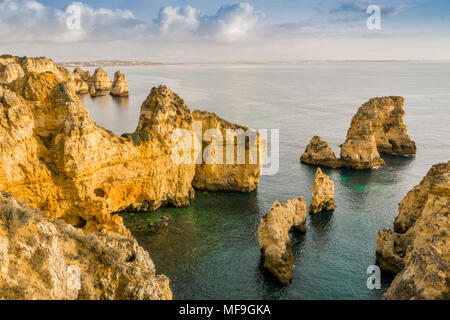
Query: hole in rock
column 80, row 223
column 99, row 192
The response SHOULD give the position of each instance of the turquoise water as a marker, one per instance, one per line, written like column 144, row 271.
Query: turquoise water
column 210, row 249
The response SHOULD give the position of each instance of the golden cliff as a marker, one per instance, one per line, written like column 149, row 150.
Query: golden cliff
column 119, row 86
column 418, row 249
column 322, row 197
column 273, row 236
column 56, row 159
column 377, row 127
column 45, row 259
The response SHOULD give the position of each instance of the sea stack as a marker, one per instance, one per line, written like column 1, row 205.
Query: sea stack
column 120, row 86
column 418, row 249
column 322, row 198
column 273, row 236
column 319, row 153
column 100, row 84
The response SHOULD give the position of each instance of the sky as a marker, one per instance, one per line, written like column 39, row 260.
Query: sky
column 203, row 31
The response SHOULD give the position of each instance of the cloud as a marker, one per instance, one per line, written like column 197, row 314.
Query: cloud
column 29, row 20
column 230, row 22
column 361, row 7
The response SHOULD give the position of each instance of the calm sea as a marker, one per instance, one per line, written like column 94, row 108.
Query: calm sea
column 210, row 249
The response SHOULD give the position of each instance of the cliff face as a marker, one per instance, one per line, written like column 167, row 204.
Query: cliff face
column 419, row 248
column 56, row 159
column 377, row 127
column 223, row 143
column 44, row 259
column 99, row 83
column 322, row 197
column 273, row 236
column 386, row 116
column 120, row 86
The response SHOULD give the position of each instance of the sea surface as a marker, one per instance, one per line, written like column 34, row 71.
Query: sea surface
column 210, row 249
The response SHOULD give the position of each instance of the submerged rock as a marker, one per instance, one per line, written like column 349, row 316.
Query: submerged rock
column 273, row 236
column 319, row 153
column 44, row 259
column 120, row 85
column 419, row 248
column 322, row 194
column 100, row 85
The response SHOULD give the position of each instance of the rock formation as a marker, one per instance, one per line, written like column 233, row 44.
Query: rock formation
column 322, row 194
column 273, row 236
column 360, row 149
column 232, row 155
column 419, row 248
column 319, row 153
column 377, row 127
column 56, row 159
column 44, row 259
column 386, row 115
column 10, row 72
column 100, row 84
column 120, row 85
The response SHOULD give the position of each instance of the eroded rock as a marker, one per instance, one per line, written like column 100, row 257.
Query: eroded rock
column 319, row 153
column 273, row 236
column 44, row 259
column 120, row 85
column 419, row 248
column 100, row 85
column 322, row 194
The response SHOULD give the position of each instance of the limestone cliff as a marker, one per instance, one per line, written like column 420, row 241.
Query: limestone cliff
column 419, row 248
column 319, row 153
column 386, row 115
column 44, row 259
column 273, row 236
column 377, row 127
column 55, row 158
column 359, row 150
column 100, row 85
column 232, row 155
column 322, row 197
column 120, row 86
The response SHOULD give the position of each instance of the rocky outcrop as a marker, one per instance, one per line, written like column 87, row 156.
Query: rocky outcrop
column 55, row 158
column 120, row 85
column 86, row 76
column 10, row 72
column 319, row 153
column 377, row 127
column 419, row 248
column 360, row 149
column 232, row 155
column 322, row 194
column 44, row 259
column 99, row 84
column 386, row 115
column 273, row 236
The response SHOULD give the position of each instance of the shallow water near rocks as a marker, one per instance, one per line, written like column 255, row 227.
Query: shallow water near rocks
column 210, row 249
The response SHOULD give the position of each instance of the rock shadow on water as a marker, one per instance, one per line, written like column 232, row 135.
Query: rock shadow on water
column 122, row 102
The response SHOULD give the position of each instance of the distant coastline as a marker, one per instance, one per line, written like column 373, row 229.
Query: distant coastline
column 130, row 63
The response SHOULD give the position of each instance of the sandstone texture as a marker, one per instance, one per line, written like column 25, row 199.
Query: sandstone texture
column 273, row 236
column 99, row 84
column 45, row 259
column 359, row 150
column 377, row 127
column 418, row 249
column 232, row 155
column 386, row 115
column 119, row 86
column 56, row 159
column 319, row 153
column 322, row 194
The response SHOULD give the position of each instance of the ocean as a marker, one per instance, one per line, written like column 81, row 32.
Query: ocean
column 210, row 249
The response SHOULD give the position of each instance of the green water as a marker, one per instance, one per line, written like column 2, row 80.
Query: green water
column 210, row 248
